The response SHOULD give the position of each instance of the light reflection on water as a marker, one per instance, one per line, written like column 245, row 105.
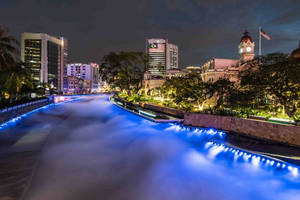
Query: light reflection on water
column 100, row 150
column 215, row 149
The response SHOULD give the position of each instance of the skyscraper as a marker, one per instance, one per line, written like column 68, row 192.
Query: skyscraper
column 163, row 56
column 172, row 56
column 46, row 56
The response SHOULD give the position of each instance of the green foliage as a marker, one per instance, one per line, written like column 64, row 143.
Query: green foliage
column 8, row 49
column 269, row 86
column 222, row 89
column 274, row 81
column 186, row 91
column 15, row 79
column 124, row 70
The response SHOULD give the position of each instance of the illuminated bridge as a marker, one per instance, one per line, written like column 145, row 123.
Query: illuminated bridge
column 88, row 148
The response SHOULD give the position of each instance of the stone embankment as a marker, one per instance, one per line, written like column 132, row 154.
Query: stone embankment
column 169, row 111
column 288, row 134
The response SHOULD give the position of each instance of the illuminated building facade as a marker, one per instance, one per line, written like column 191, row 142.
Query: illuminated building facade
column 217, row 68
column 296, row 53
column 64, row 61
column 192, row 69
column 76, row 85
column 163, row 56
column 246, row 48
column 46, row 56
column 88, row 71
column 172, row 57
column 156, row 50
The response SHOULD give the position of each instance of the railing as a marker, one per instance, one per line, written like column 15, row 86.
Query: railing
column 17, row 107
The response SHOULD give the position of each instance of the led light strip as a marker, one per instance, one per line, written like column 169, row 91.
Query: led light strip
column 121, row 104
column 214, row 149
column 199, row 131
column 255, row 159
column 14, row 120
column 146, row 113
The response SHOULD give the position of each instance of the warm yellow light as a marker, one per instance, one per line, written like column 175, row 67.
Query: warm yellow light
column 6, row 95
column 200, row 108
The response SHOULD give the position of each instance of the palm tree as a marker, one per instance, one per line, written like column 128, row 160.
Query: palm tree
column 17, row 77
column 8, row 57
column 8, row 49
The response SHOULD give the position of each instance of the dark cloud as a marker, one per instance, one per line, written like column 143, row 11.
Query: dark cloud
column 202, row 29
column 287, row 18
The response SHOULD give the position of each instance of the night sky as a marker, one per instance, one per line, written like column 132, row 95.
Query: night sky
column 202, row 29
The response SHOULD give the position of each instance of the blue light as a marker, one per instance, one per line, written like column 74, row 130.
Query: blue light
column 256, row 160
column 15, row 120
column 146, row 113
column 121, row 104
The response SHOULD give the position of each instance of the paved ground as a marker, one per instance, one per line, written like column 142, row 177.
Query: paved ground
column 16, row 171
column 19, row 156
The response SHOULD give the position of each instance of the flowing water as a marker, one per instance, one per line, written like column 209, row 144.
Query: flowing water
column 95, row 150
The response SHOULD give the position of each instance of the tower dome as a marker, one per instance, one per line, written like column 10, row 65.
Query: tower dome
column 296, row 53
column 246, row 38
column 246, row 48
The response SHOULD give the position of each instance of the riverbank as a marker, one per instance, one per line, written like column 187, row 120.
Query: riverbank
column 282, row 133
column 280, row 141
column 275, row 131
column 18, row 110
column 143, row 111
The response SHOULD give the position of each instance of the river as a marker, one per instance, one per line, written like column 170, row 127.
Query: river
column 93, row 149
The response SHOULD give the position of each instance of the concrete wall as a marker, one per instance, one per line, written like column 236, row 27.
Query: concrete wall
column 265, row 130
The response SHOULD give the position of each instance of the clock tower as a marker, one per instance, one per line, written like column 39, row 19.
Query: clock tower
column 246, row 48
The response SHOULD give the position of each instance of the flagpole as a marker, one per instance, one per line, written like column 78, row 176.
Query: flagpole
column 259, row 43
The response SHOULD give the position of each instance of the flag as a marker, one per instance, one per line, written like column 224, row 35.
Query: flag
column 264, row 34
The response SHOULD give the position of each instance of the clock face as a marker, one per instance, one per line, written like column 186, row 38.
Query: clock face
column 248, row 49
column 241, row 50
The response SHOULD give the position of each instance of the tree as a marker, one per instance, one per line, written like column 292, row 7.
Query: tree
column 8, row 50
column 221, row 90
column 186, row 91
column 277, row 77
column 8, row 58
column 124, row 70
column 16, row 80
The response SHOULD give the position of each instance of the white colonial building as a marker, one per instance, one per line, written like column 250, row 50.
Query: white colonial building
column 217, row 68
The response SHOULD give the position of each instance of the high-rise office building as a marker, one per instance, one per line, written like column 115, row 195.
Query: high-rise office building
column 64, row 54
column 172, row 56
column 163, row 56
column 46, row 56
